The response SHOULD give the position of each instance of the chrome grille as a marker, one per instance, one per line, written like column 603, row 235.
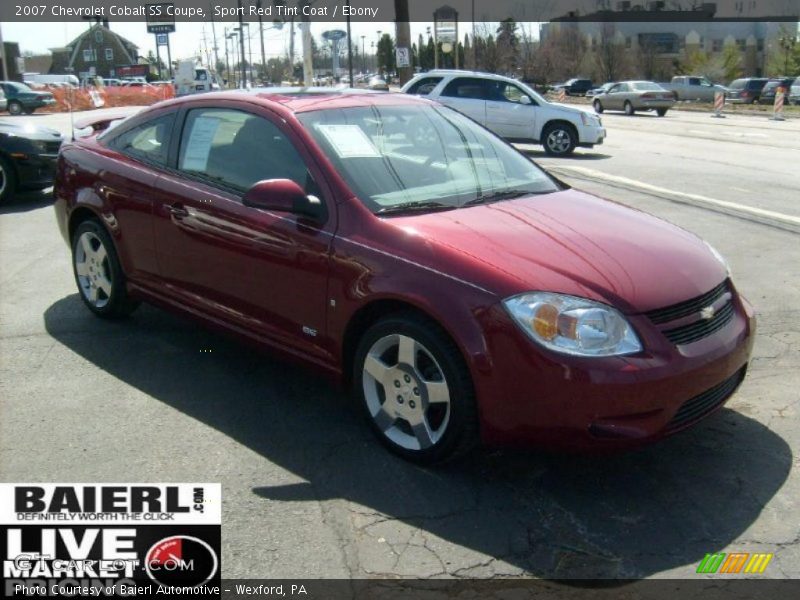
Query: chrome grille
column 684, row 309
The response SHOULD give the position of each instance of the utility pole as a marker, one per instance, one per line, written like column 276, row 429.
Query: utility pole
column 349, row 48
column 403, row 38
column 261, row 35
column 291, row 51
column 214, row 35
column 241, row 45
column 227, row 62
column 308, row 63
column 363, row 56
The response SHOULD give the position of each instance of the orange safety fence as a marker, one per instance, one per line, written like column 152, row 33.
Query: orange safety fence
column 112, row 96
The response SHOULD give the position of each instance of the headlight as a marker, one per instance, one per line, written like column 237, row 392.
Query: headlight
column 573, row 325
column 588, row 119
column 719, row 257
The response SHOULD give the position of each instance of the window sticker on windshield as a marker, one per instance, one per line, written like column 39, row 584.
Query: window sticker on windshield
column 349, row 141
column 195, row 158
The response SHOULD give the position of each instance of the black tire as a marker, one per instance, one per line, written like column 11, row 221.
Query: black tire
column 598, row 107
column 559, row 139
column 661, row 112
column 437, row 360
column 629, row 110
column 15, row 108
column 113, row 303
column 28, row 111
column 8, row 180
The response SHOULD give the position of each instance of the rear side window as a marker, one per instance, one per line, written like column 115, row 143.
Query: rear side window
column 424, row 86
column 148, row 142
column 756, row 84
column 467, row 87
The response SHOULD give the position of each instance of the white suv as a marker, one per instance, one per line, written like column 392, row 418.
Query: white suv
column 510, row 109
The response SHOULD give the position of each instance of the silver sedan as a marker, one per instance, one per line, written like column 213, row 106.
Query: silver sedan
column 631, row 96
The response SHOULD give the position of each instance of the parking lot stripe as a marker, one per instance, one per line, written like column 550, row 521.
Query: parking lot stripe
column 769, row 217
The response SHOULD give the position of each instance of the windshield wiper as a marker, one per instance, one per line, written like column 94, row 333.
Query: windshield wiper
column 418, row 206
column 504, row 195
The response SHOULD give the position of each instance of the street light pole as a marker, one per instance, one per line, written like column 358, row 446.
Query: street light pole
column 363, row 55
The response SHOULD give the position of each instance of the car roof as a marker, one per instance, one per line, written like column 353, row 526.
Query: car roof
column 299, row 100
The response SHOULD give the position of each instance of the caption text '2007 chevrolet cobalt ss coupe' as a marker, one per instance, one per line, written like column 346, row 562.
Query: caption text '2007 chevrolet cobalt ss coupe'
column 465, row 294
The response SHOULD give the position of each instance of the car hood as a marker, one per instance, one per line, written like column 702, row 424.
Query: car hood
column 31, row 132
column 573, row 243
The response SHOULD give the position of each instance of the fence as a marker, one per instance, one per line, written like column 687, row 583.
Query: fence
column 112, row 96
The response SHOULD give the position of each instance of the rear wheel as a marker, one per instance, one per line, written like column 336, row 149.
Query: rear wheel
column 415, row 389
column 8, row 180
column 28, row 111
column 14, row 108
column 98, row 273
column 559, row 139
column 661, row 111
column 629, row 108
column 598, row 107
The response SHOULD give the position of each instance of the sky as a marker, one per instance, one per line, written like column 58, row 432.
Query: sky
column 186, row 42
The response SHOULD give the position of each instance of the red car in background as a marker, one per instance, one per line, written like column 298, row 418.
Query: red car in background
column 464, row 294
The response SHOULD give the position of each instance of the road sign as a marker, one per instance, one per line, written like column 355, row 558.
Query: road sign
column 334, row 34
column 162, row 39
column 403, row 57
column 160, row 17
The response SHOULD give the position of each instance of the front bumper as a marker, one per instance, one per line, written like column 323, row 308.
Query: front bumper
column 590, row 135
column 36, row 171
column 535, row 397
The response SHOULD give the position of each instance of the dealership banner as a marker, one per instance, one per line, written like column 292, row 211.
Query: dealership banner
column 110, row 539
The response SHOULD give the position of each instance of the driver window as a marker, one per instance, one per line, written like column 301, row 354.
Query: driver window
column 237, row 149
column 511, row 93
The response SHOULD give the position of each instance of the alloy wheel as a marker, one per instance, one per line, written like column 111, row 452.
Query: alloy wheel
column 93, row 269
column 558, row 141
column 406, row 392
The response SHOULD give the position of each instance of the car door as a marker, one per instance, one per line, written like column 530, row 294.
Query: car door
column 263, row 272
column 510, row 112
column 468, row 96
column 617, row 96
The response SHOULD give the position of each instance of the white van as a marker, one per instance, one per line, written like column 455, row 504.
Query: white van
column 191, row 78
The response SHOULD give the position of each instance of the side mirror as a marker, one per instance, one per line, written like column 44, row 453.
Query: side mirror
column 284, row 195
column 525, row 100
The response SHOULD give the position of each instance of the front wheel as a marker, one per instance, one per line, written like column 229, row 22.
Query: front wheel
column 15, row 108
column 661, row 112
column 559, row 139
column 629, row 108
column 415, row 389
column 8, row 180
column 598, row 107
column 98, row 273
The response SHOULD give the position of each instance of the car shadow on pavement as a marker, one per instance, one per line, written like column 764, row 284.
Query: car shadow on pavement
column 27, row 201
column 562, row 517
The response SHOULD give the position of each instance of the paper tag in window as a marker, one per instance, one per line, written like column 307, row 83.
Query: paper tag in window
column 349, row 141
column 195, row 157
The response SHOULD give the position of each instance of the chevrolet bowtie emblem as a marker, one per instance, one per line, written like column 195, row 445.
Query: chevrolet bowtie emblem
column 707, row 313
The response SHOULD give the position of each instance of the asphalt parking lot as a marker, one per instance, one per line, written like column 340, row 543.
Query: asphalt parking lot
column 307, row 492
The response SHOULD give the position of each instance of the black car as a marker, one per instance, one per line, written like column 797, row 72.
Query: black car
column 769, row 91
column 575, row 87
column 746, row 90
column 27, row 157
column 22, row 99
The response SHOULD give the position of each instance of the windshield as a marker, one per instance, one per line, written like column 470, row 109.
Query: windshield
column 18, row 87
column 427, row 157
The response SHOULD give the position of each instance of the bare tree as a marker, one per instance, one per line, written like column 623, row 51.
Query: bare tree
column 610, row 56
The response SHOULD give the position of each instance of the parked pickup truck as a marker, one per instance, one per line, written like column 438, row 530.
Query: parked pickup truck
column 690, row 87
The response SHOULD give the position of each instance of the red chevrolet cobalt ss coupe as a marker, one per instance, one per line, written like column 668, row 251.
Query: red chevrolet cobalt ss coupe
column 466, row 295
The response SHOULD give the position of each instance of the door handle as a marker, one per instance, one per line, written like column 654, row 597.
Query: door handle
column 178, row 210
